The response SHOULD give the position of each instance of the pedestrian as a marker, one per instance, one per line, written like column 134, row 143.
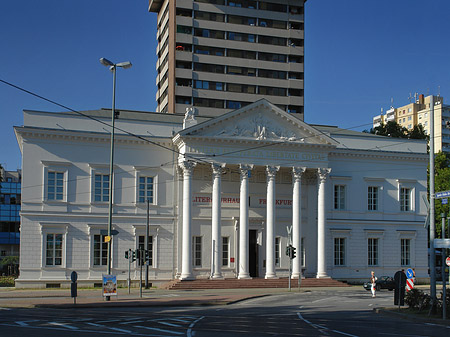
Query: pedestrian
column 373, row 281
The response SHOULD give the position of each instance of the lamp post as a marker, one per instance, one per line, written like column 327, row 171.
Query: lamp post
column 112, row 66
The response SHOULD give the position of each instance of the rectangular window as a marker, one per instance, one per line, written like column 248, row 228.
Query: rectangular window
column 208, row 85
column 211, row 33
column 197, row 251
column 372, row 198
column 100, row 251
column 101, row 187
column 236, row 104
column 277, row 41
column 204, row 50
column 339, row 197
column 243, row 54
column 272, row 23
column 277, row 251
column 225, row 251
column 141, row 246
column 405, row 199
column 233, row 70
column 272, row 74
column 242, row 3
column 372, row 247
column 53, row 251
column 339, row 251
column 208, row 103
column 271, row 91
column 405, row 252
column 241, row 37
column 211, row 68
column 146, row 189
column 272, row 57
column 241, row 20
column 209, row 16
column 241, row 88
column 55, row 185
column 273, row 7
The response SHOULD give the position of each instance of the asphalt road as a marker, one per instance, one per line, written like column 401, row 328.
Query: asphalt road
column 317, row 313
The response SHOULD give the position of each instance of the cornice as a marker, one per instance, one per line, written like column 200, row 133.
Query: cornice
column 350, row 153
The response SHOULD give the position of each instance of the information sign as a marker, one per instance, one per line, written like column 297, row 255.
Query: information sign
column 441, row 243
column 409, row 273
column 109, row 285
column 444, row 201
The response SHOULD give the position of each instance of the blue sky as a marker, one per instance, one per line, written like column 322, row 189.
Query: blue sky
column 358, row 55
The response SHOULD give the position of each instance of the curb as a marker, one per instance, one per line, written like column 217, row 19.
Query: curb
column 412, row 317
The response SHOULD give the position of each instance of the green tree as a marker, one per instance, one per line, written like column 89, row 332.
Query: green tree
column 417, row 132
column 390, row 129
column 441, row 183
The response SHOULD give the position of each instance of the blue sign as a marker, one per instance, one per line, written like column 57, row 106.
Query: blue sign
column 444, row 201
column 439, row 195
column 409, row 273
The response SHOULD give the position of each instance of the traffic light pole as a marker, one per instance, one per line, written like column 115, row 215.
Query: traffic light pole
column 129, row 270
column 147, row 233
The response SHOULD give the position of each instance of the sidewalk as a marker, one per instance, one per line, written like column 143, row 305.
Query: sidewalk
column 60, row 298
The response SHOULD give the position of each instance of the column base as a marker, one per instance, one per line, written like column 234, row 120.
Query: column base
column 322, row 275
column 242, row 276
column 217, row 277
column 271, row 276
column 187, row 277
column 297, row 275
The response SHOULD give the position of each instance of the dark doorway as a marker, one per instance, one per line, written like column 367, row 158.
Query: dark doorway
column 253, row 253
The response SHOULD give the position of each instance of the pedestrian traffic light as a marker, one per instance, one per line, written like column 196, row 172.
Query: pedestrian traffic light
column 292, row 253
column 288, row 250
column 126, row 255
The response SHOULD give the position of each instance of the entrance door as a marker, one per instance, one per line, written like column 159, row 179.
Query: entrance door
column 253, row 253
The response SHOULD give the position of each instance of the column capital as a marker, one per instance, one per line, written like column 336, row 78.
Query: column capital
column 322, row 174
column 217, row 169
column 244, row 168
column 187, row 165
column 297, row 173
column 272, row 171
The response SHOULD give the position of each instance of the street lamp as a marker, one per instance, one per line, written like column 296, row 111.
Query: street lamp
column 112, row 66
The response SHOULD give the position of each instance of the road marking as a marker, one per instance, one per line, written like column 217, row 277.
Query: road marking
column 190, row 333
column 111, row 328
column 323, row 329
column 25, row 323
column 170, row 324
column 5, row 309
column 160, row 330
column 132, row 322
column 64, row 325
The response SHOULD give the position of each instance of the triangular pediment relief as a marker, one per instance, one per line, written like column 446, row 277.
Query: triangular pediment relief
column 259, row 121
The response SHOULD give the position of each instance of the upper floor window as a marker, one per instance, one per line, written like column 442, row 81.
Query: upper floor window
column 243, row 3
column 339, row 197
column 146, row 189
column 372, row 198
column 209, row 16
column 405, row 199
column 55, row 185
column 101, row 187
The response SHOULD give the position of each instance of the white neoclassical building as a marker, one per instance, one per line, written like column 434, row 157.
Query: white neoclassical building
column 227, row 194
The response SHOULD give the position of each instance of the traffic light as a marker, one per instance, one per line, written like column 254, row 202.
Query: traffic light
column 146, row 255
column 133, row 255
column 139, row 255
column 288, row 250
column 126, row 254
column 292, row 253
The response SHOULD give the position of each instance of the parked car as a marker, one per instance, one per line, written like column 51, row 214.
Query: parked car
column 383, row 282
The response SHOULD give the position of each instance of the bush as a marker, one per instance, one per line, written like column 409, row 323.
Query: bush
column 6, row 281
column 418, row 300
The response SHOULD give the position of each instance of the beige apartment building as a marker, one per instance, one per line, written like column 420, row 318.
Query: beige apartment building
column 418, row 112
column 221, row 55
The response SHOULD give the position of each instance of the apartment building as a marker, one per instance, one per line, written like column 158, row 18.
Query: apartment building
column 221, row 55
column 418, row 112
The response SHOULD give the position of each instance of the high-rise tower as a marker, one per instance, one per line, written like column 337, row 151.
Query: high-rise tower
column 220, row 55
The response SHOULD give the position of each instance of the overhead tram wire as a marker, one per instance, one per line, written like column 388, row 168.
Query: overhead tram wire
column 97, row 120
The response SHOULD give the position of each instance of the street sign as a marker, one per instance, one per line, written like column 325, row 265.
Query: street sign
column 409, row 273
column 447, row 261
column 444, row 194
column 441, row 243
column 444, row 201
column 409, row 284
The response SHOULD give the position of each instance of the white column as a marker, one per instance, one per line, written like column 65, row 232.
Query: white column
column 216, row 240
column 243, row 223
column 322, row 174
column 186, row 252
column 297, row 173
column 270, row 221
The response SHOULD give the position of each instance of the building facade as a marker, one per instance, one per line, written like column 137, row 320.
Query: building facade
column 221, row 55
column 10, row 198
column 224, row 193
column 418, row 112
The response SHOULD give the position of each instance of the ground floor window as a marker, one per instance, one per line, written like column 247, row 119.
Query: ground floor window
column 100, row 250
column 372, row 252
column 339, row 251
column 141, row 246
column 225, row 251
column 277, row 251
column 53, row 252
column 197, row 251
column 405, row 254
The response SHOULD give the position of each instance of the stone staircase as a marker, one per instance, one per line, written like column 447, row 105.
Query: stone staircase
column 250, row 283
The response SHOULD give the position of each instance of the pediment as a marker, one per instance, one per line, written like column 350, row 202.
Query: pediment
column 259, row 121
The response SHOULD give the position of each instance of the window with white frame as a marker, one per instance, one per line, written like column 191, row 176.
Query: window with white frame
column 339, row 251
column 55, row 185
column 405, row 252
column 405, row 199
column 225, row 250
column 277, row 251
column 372, row 198
column 101, row 187
column 54, row 249
column 339, row 197
column 100, row 250
column 141, row 246
column 197, row 251
column 146, row 188
column 372, row 251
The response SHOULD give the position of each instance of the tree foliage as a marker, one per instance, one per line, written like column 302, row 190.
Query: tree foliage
column 393, row 129
column 441, row 183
